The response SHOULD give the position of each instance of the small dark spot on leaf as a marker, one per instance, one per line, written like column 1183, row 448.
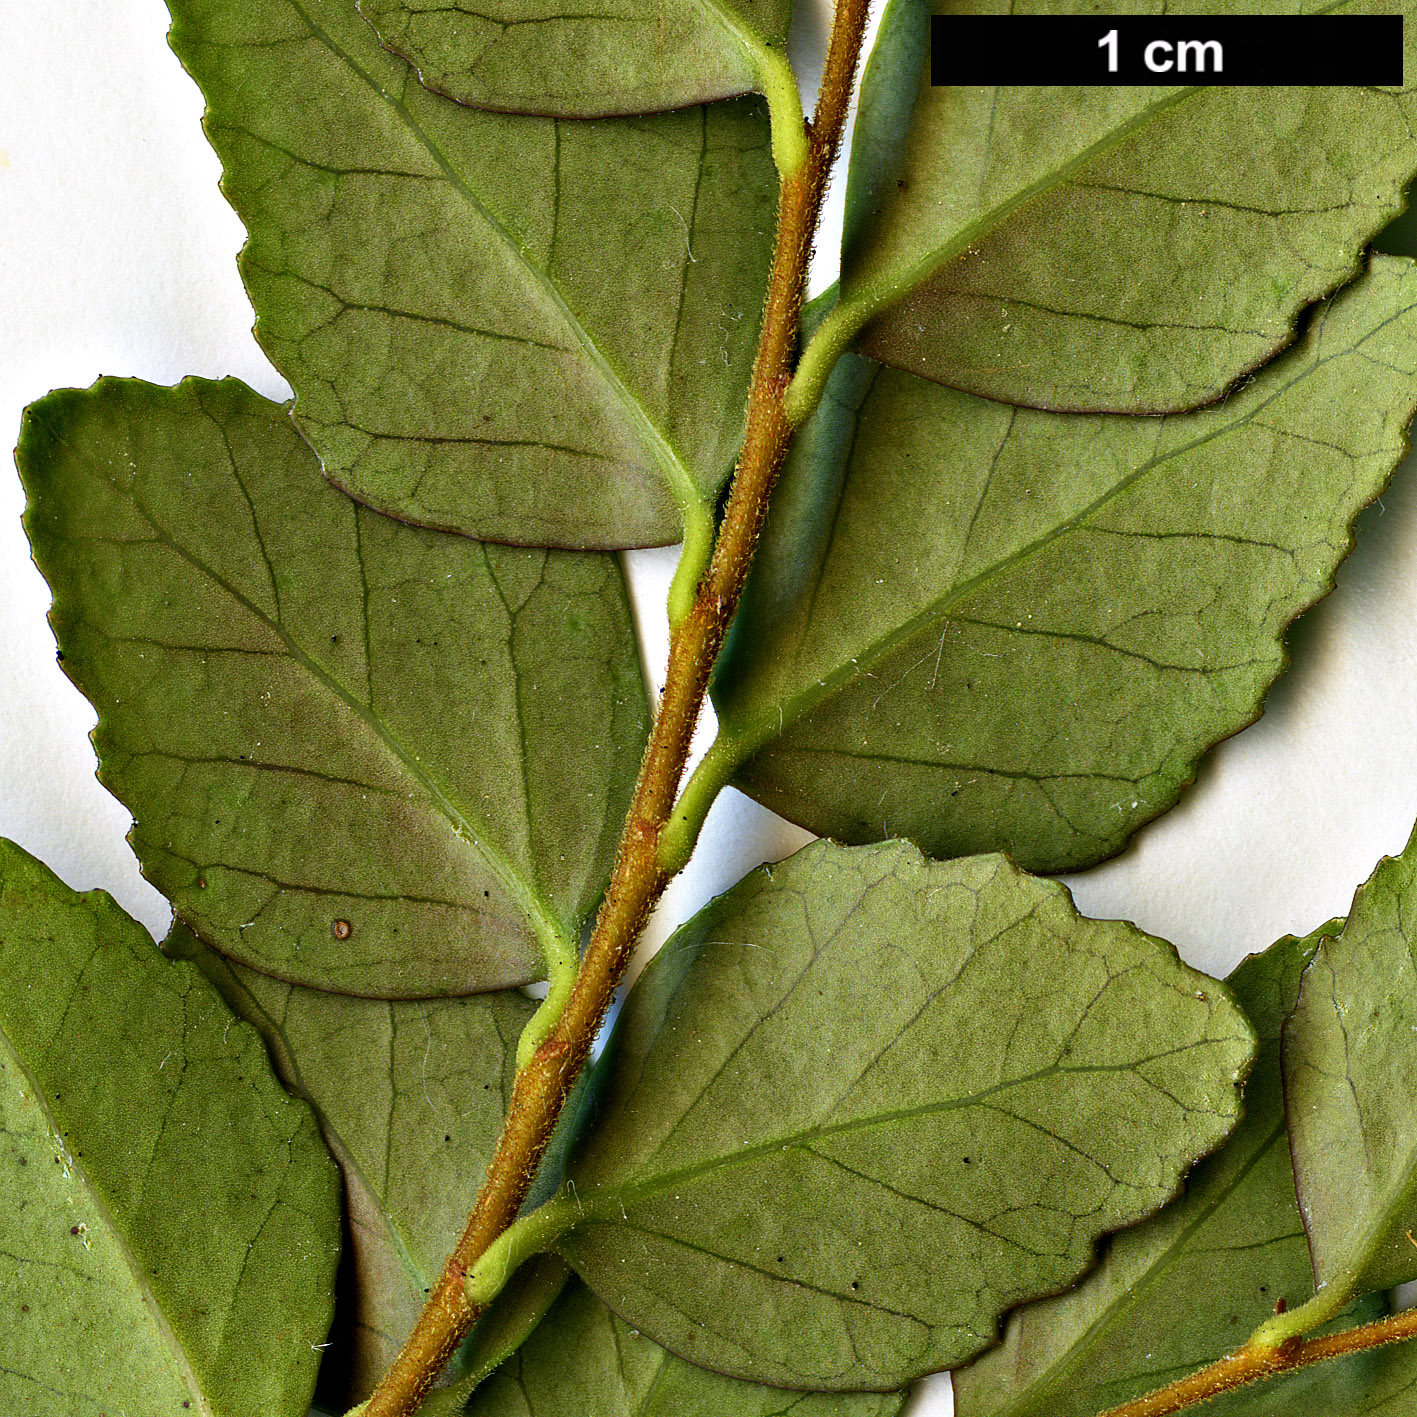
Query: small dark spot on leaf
column 24, row 1308
column 1264, row 1288
column 446, row 1137
column 59, row 655
column 854, row 1284
column 201, row 883
column 73, row 1229
column 780, row 1260
column 341, row 929
column 966, row 1161
column 334, row 639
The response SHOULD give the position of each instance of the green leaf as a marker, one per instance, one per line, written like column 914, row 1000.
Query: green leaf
column 988, row 628
column 527, row 330
column 1191, row 1284
column 359, row 755
column 865, row 1102
column 171, row 1216
column 630, row 58
column 411, row 1096
column 1350, row 1070
column 585, row 1362
column 1390, row 1391
column 1124, row 249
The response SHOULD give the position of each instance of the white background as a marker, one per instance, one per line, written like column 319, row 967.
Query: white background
column 116, row 257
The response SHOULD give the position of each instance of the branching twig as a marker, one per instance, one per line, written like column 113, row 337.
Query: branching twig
column 639, row 878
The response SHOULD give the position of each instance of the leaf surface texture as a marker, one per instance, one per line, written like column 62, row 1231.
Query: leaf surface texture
column 1127, row 249
column 983, row 628
column 359, row 754
column 864, row 1103
column 523, row 329
column 171, row 1215
column 1350, row 1069
column 1191, row 1284
column 411, row 1096
column 586, row 1362
column 526, row 56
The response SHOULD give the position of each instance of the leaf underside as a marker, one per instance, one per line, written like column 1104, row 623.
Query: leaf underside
column 586, row 1362
column 411, row 1096
column 359, row 755
column 171, row 1217
column 1190, row 1285
column 1123, row 249
column 864, row 1103
column 632, row 56
column 435, row 281
column 986, row 628
column 1350, row 1070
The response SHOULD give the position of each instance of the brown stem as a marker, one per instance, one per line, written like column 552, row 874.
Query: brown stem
column 637, row 880
column 1251, row 1364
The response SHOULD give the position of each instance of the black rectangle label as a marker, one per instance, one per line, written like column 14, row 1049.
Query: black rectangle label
column 1096, row 50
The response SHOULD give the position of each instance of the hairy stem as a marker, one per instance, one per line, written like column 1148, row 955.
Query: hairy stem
column 1255, row 1361
column 638, row 879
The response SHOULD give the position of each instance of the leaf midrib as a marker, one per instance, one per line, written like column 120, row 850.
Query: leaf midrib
column 862, row 304
column 748, row 735
column 603, row 1201
column 115, row 1232
column 681, row 481
column 537, row 912
column 895, row 284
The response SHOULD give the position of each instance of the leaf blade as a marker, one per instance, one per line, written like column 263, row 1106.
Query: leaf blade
column 1341, row 1081
column 939, row 572
column 410, row 1095
column 359, row 755
column 209, row 1182
column 817, row 1167
column 468, row 366
column 585, row 1359
column 1188, row 1286
column 1089, row 249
